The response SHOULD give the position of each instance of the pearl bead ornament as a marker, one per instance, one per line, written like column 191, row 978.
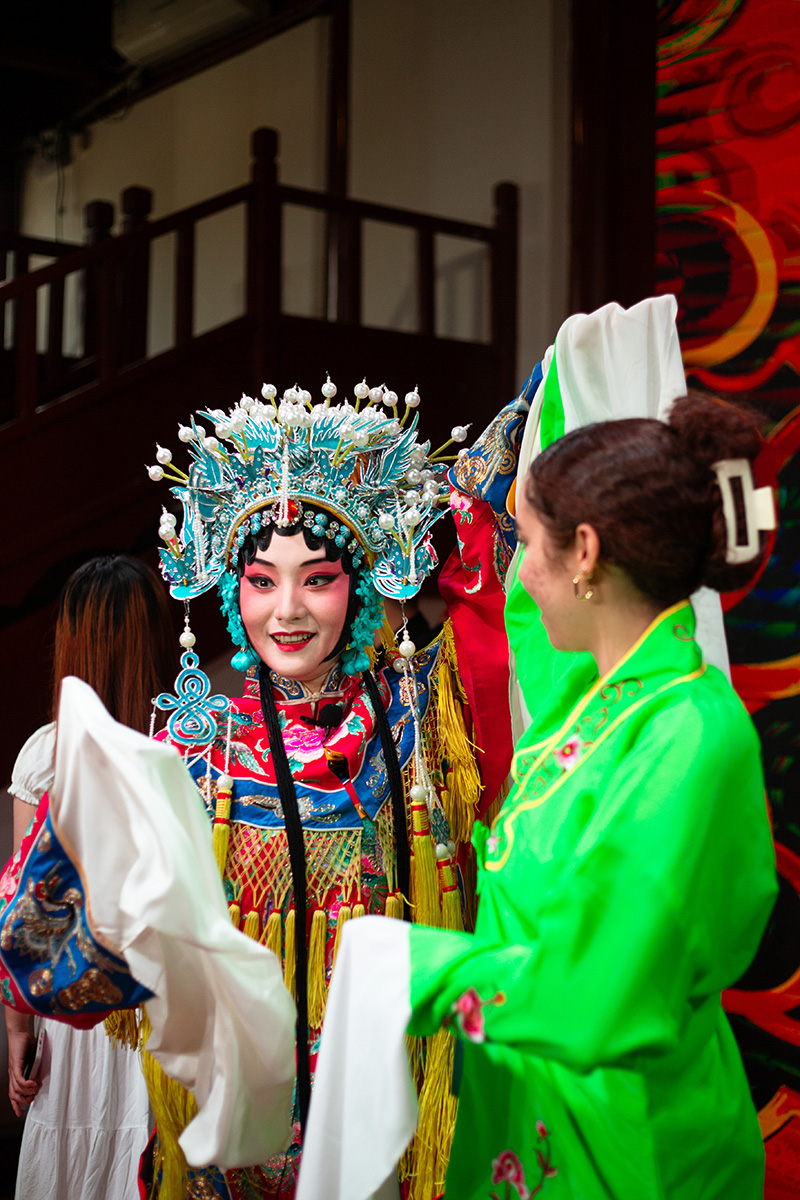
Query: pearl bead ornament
column 185, row 433
column 187, row 639
column 155, row 473
column 269, row 392
column 458, row 433
column 163, row 456
column 412, row 398
column 418, row 793
column 390, row 399
column 224, row 783
column 328, row 389
column 442, row 851
column 407, row 648
column 376, row 395
column 361, row 390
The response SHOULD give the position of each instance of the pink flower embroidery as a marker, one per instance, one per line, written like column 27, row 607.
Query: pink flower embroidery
column 302, row 743
column 507, row 1168
column 492, row 842
column 569, row 754
column 459, row 502
column 467, row 1012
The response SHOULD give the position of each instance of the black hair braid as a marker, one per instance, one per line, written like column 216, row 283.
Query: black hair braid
column 297, row 861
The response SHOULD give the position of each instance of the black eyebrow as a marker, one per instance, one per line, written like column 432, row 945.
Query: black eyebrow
column 310, row 562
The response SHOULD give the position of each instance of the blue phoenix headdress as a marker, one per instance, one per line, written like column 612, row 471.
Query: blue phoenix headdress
column 354, row 473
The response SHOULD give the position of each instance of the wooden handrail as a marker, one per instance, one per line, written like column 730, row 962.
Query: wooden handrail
column 36, row 245
column 365, row 210
column 116, row 274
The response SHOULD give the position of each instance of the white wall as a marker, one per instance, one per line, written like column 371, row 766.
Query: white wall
column 448, row 98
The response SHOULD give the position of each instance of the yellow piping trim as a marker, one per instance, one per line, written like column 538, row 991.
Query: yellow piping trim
column 581, row 705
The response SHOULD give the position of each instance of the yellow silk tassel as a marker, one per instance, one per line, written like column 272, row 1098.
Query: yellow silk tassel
column 437, row 1118
column 463, row 782
column 344, row 915
column 358, row 910
column 317, row 986
column 394, row 906
column 424, row 884
column 222, row 828
column 173, row 1108
column 124, row 1029
column 252, row 925
column 272, row 935
column 236, row 914
column 290, row 963
column 451, row 897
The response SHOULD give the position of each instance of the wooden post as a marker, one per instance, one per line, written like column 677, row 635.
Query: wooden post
column 98, row 221
column 184, row 285
column 339, row 232
column 504, row 286
column 134, row 264
column 264, row 258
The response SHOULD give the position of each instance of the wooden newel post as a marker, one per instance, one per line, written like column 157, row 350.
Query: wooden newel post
column 504, row 283
column 98, row 221
column 134, row 279
column 264, row 258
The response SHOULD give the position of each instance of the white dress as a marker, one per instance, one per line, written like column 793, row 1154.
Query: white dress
column 90, row 1120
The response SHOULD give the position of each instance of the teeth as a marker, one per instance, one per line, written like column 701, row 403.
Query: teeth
column 291, row 637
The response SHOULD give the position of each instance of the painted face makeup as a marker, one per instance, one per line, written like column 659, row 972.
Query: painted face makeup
column 293, row 603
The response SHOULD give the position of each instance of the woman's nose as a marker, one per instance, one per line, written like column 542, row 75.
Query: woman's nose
column 288, row 602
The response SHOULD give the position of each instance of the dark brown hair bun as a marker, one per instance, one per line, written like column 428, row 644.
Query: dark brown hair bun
column 649, row 491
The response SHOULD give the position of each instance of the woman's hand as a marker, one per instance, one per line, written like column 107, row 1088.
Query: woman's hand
column 21, row 1048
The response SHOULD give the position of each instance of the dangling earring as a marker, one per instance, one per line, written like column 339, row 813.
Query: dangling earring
column 193, row 710
column 587, row 595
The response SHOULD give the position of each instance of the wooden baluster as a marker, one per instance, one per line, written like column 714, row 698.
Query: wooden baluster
column 27, row 384
column 348, row 261
column 504, row 287
column 134, row 264
column 184, row 284
column 264, row 234
column 426, row 305
column 98, row 220
column 54, row 362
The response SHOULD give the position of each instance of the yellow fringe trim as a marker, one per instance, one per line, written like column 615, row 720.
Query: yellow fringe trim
column 272, row 934
column 317, row 986
column 173, row 1108
column 424, row 884
column 290, row 963
column 236, row 914
column 437, row 1119
column 343, row 916
column 394, row 906
column 222, row 829
column 358, row 910
column 464, row 787
column 252, row 925
column 451, row 896
column 124, row 1028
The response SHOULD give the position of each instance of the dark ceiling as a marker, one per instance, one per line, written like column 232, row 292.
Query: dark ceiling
column 59, row 68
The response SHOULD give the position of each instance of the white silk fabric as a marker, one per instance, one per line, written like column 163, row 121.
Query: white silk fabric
column 615, row 363
column 364, row 1106
column 128, row 813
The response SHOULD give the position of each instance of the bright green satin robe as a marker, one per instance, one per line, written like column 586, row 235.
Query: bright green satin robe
column 626, row 882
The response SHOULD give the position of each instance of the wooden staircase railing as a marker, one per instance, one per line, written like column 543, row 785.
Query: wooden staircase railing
column 114, row 285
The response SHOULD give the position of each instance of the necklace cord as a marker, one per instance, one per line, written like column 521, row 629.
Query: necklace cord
column 297, row 862
column 396, row 788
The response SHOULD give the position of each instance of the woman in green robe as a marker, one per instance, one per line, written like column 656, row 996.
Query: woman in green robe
column 630, row 874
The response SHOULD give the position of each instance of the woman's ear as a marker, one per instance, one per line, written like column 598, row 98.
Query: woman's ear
column 587, row 548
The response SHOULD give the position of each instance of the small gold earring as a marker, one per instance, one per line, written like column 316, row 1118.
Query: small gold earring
column 587, row 595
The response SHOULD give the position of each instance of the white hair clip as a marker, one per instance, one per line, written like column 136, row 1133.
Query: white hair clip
column 757, row 505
